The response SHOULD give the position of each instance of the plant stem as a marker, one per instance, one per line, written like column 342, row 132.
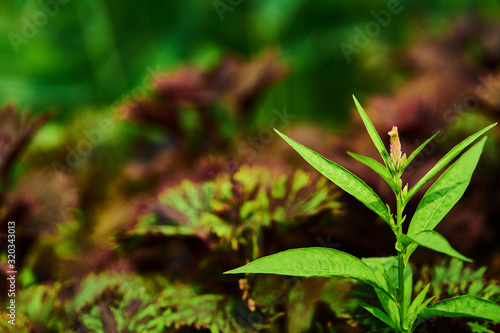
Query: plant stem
column 401, row 264
column 401, row 281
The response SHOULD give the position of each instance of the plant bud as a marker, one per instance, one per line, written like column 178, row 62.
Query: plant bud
column 396, row 158
column 405, row 191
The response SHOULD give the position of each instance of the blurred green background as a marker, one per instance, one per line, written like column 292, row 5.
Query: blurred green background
column 92, row 53
column 157, row 202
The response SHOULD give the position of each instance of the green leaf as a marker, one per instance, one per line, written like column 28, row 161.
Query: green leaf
column 380, row 271
column 445, row 160
column 341, row 177
column 462, row 306
column 389, row 305
column 372, row 131
column 446, row 191
column 378, row 267
column 378, row 313
column 479, row 328
column 386, row 271
column 408, row 285
column 418, row 150
column 414, row 307
column 435, row 241
column 424, row 304
column 312, row 262
column 378, row 168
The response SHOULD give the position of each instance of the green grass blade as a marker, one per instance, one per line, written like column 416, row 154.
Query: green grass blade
column 445, row 160
column 378, row 168
column 341, row 177
column 462, row 306
column 446, row 191
column 435, row 241
column 379, row 144
column 418, row 150
column 312, row 262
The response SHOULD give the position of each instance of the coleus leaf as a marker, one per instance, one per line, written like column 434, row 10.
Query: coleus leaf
column 341, row 177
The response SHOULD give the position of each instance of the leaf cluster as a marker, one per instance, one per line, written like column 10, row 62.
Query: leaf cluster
column 391, row 278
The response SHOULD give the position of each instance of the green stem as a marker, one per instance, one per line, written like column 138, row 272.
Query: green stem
column 401, row 264
column 401, row 277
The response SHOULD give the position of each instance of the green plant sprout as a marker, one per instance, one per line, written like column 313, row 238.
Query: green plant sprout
column 391, row 277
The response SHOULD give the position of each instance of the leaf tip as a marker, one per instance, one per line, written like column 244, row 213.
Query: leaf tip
column 355, row 99
column 279, row 133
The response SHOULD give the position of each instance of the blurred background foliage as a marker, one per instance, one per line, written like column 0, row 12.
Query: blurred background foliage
column 92, row 53
column 138, row 160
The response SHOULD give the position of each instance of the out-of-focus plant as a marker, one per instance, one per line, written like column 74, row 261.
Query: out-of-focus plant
column 36, row 199
column 15, row 132
column 126, row 302
column 391, row 277
column 130, row 303
column 234, row 208
column 193, row 115
column 451, row 279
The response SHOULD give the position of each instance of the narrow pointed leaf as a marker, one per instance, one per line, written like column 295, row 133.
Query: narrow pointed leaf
column 462, row 306
column 434, row 241
column 445, row 160
column 406, row 241
column 388, row 302
column 341, row 177
column 389, row 305
column 378, row 168
column 408, row 285
column 379, row 144
column 424, row 304
column 446, row 191
column 380, row 272
column 418, row 150
column 312, row 262
column 386, row 270
column 413, row 310
column 378, row 313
